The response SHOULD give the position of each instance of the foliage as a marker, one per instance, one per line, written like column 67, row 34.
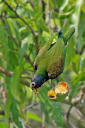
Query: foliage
column 25, row 26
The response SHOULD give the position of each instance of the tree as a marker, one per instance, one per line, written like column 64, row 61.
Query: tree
column 25, row 26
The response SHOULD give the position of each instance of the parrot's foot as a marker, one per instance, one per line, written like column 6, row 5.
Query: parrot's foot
column 36, row 90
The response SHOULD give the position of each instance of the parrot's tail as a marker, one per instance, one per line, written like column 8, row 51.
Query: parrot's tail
column 68, row 35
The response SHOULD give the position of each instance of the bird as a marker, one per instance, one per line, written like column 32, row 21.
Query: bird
column 49, row 63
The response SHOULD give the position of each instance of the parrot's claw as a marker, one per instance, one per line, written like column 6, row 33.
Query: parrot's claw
column 36, row 90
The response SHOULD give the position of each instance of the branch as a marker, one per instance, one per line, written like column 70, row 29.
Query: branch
column 43, row 9
column 26, row 83
column 68, row 114
column 49, row 23
column 76, row 101
column 81, row 51
column 78, row 98
column 29, row 106
column 16, row 43
column 9, row 33
column 9, row 74
column 32, row 5
column 48, row 18
column 36, row 43
column 28, row 59
column 26, row 23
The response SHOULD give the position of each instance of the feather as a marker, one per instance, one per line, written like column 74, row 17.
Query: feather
column 50, row 60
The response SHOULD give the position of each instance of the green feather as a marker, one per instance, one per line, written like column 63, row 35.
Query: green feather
column 68, row 34
column 51, row 58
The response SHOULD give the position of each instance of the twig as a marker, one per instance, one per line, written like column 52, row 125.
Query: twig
column 36, row 43
column 43, row 120
column 49, row 24
column 29, row 106
column 76, row 101
column 25, row 76
column 55, row 28
column 28, row 59
column 6, row 3
column 48, row 18
column 13, row 38
column 43, row 9
column 81, row 51
column 9, row 33
column 16, row 43
column 9, row 74
column 23, row 124
column 68, row 113
column 25, row 83
column 32, row 5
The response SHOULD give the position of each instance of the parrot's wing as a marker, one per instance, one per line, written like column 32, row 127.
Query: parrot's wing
column 40, row 55
column 43, row 52
column 56, row 60
column 56, row 68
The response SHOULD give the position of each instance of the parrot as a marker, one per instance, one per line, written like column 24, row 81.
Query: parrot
column 49, row 63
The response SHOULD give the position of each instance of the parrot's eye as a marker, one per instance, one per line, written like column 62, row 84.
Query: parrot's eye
column 35, row 67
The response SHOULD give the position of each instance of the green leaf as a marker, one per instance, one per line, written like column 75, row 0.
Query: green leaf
column 22, row 51
column 64, row 5
column 2, row 125
column 79, row 77
column 15, row 83
column 69, row 53
column 80, row 32
column 7, row 44
column 63, row 15
column 7, row 108
column 33, row 116
column 76, row 15
column 74, row 89
column 57, row 113
column 76, row 83
column 15, row 31
column 3, row 41
column 15, row 114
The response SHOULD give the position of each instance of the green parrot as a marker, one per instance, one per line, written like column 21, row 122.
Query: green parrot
column 50, row 60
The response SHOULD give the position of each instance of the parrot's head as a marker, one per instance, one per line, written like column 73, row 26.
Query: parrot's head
column 38, row 80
